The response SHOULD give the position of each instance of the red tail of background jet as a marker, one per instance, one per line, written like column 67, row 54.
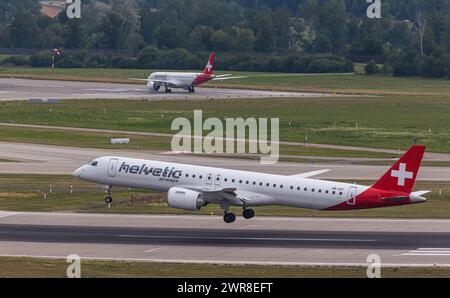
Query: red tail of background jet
column 209, row 68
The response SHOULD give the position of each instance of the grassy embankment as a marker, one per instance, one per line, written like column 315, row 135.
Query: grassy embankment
column 41, row 268
column 381, row 122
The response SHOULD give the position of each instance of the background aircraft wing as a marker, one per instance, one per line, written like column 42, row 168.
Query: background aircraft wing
column 161, row 82
column 311, row 174
column 135, row 79
column 220, row 78
column 166, row 83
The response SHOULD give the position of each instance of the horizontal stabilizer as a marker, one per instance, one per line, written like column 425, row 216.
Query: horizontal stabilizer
column 421, row 193
column 311, row 174
column 223, row 76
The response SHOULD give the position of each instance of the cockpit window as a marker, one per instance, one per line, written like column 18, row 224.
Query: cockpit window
column 94, row 163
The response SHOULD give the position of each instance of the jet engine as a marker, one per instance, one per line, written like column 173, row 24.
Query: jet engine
column 156, row 87
column 185, row 199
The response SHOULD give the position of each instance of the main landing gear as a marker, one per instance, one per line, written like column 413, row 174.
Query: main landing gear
column 248, row 213
column 228, row 217
column 191, row 89
column 231, row 217
column 168, row 90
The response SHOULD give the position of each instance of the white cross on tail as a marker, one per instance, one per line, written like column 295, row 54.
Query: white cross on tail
column 209, row 66
column 402, row 174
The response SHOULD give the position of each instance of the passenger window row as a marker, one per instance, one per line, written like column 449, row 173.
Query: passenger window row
column 298, row 188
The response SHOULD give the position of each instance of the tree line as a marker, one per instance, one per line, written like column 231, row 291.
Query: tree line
column 411, row 38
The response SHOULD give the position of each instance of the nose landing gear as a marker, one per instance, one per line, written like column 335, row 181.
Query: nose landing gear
column 108, row 199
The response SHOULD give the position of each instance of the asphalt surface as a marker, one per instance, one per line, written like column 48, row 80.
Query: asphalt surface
column 46, row 159
column 222, row 237
column 23, row 89
column 206, row 239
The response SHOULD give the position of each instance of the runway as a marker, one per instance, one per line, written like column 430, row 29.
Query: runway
column 23, row 89
column 206, row 239
column 46, row 159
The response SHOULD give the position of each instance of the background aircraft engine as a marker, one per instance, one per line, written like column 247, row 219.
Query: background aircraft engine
column 185, row 199
column 156, row 86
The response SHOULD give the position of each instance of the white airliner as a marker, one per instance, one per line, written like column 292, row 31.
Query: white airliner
column 184, row 80
column 192, row 187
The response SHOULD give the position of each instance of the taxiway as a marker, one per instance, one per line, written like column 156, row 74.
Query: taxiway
column 45, row 159
column 23, row 89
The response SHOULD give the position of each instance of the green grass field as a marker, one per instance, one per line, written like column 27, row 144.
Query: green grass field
column 159, row 143
column 50, row 268
column 26, row 193
column 342, row 83
column 382, row 122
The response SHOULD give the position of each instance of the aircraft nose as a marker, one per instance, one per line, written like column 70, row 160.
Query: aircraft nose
column 77, row 173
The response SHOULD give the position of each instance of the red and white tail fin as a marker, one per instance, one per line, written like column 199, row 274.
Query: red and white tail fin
column 402, row 176
column 209, row 68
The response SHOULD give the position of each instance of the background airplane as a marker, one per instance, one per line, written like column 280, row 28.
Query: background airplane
column 192, row 187
column 185, row 80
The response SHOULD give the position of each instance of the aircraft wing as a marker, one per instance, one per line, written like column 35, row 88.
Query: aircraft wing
column 135, row 79
column 222, row 78
column 161, row 82
column 311, row 174
column 214, row 195
column 230, row 195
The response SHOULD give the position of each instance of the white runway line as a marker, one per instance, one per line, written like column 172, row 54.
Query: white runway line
column 246, row 238
column 154, row 249
column 7, row 214
column 40, row 85
column 428, row 252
